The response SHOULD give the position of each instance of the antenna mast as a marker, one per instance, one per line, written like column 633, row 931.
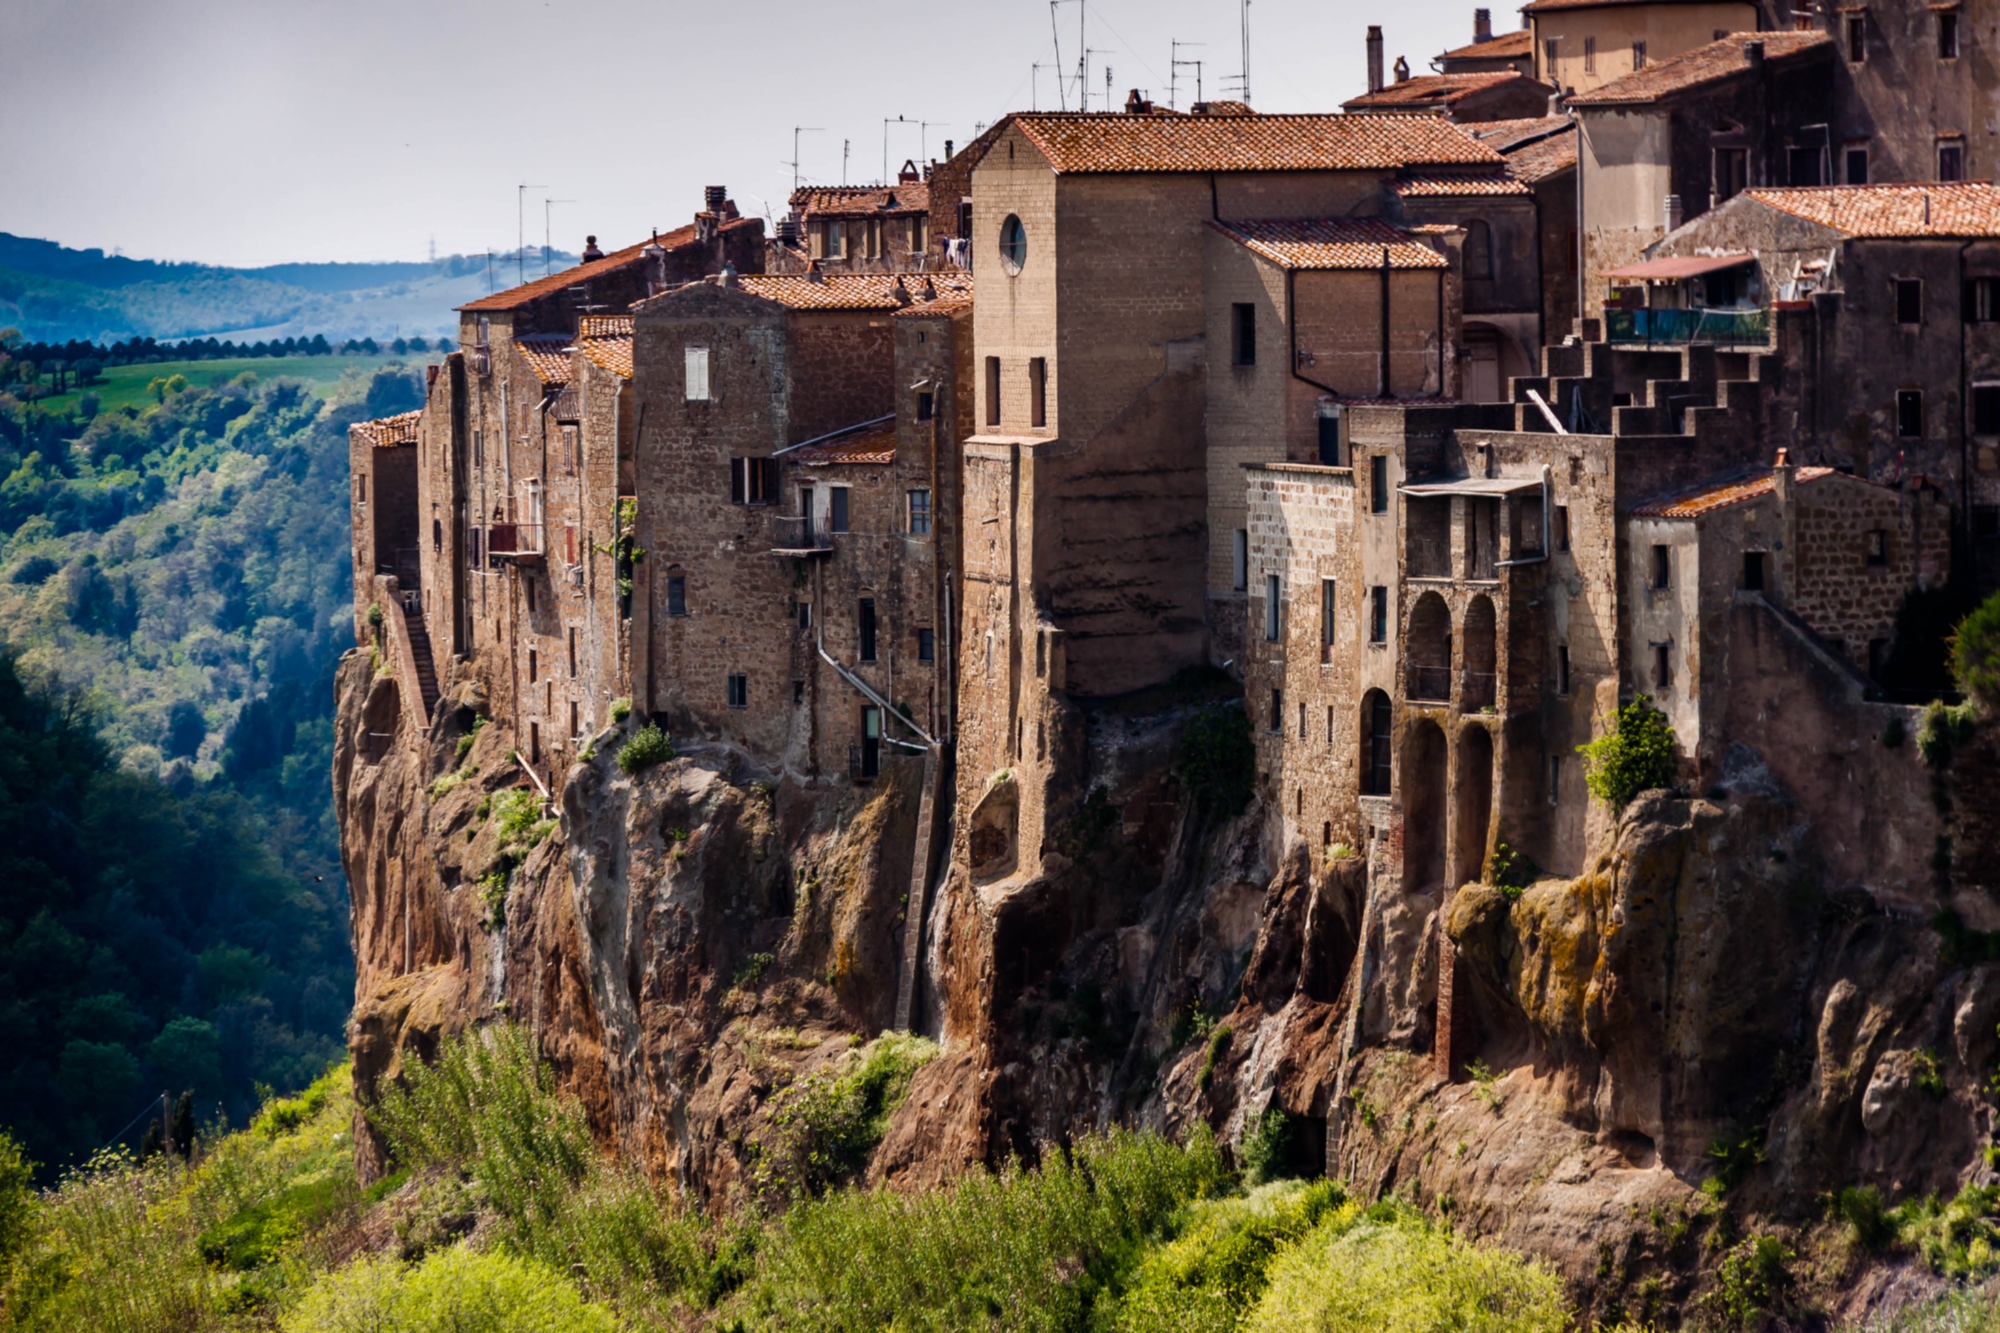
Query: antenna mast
column 1246, row 50
column 1174, row 67
column 797, row 130
column 548, row 205
column 521, row 231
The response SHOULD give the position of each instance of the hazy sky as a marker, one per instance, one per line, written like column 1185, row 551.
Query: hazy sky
column 258, row 131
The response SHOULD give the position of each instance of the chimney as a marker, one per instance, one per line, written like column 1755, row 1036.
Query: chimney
column 1672, row 212
column 947, row 150
column 1482, row 25
column 1136, row 105
column 1374, row 58
column 1402, row 70
column 715, row 196
column 590, row 250
column 1753, row 53
column 790, row 229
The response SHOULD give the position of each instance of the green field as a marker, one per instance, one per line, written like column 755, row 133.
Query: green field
column 127, row 386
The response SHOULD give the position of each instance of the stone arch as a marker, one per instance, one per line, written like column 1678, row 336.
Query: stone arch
column 1481, row 654
column 1375, row 768
column 1475, row 802
column 1427, row 650
column 1424, row 805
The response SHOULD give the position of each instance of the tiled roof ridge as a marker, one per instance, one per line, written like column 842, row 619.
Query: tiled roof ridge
column 1330, row 243
column 1708, row 63
column 1111, row 143
column 1891, row 209
column 1733, row 488
column 513, row 298
column 1520, row 38
column 385, row 432
column 841, row 291
column 1440, row 87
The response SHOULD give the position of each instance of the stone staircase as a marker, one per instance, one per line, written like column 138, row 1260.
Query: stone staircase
column 1665, row 390
column 420, row 651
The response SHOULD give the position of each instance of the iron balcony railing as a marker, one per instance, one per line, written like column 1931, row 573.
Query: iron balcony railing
column 514, row 541
column 797, row 532
column 1429, row 683
column 1727, row 327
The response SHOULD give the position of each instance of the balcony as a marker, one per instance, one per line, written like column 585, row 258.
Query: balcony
column 1477, row 690
column 797, row 535
column 1722, row 327
column 519, row 542
column 1427, row 684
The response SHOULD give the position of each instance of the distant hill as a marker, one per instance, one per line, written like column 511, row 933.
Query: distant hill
column 54, row 294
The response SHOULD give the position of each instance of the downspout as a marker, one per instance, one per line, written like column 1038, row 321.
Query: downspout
column 1536, row 559
column 1580, row 270
column 1292, row 332
column 870, row 695
column 1440, row 335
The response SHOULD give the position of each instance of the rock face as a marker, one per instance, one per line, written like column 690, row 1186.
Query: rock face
column 1708, row 997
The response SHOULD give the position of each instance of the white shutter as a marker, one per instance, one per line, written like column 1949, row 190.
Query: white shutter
column 697, row 374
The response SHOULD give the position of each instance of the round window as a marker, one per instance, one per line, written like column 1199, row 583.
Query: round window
column 1013, row 244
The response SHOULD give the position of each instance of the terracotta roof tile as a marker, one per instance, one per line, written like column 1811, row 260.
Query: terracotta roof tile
column 547, row 354
column 607, row 341
column 945, row 303
column 1510, row 46
column 516, row 297
column 864, row 444
column 900, row 199
column 1455, row 187
column 1961, row 208
column 1714, row 496
column 1702, row 66
column 1222, row 108
column 1506, row 134
column 1076, row 142
column 1541, row 159
column 1333, row 243
column 1544, row 6
column 853, row 291
column 1432, row 90
column 386, row 432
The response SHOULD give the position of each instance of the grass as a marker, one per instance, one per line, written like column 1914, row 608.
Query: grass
column 126, row 386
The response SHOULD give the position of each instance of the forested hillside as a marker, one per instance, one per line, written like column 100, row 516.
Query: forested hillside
column 174, row 592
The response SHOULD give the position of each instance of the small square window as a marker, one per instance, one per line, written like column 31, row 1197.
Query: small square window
column 926, row 405
column 1590, row 55
column 926, row 645
column 1857, row 166
column 1038, row 391
column 1857, row 38
column 739, row 691
column 1378, row 615
column 1909, row 301
column 837, row 508
column 1753, row 571
column 1951, row 160
column 1982, row 300
column 1326, row 622
column 1878, row 547
column 1562, row 527
column 753, row 481
column 992, row 390
column 1910, row 414
column 1947, row 34
column 805, row 615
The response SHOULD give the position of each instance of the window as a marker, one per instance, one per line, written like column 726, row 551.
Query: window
column 1590, row 55
column 1662, row 566
column 1909, row 301
column 572, row 658
column 926, row 405
column 1326, row 608
column 1239, row 577
column 1243, row 334
column 677, row 595
column 361, row 488
column 1376, row 716
column 1731, row 170
column 1986, row 409
column 1038, row 391
column 1013, row 244
column 1562, row 668
column 1550, row 47
column 753, row 481
column 1561, row 525
column 475, row 547
column 1478, row 250
column 534, row 667
column 926, row 645
column 964, row 219
column 920, row 513
column 1271, row 608
column 1555, row 778
column 1277, row 709
column 1982, row 300
column 1663, row 665
column 697, row 374
column 1329, row 724
column 437, row 537
column 992, row 390
column 1951, row 160
column 575, row 729
column 836, row 518
column 1378, row 614
column 871, row 742
column 739, row 691
column 798, row 691
column 479, row 448
column 867, row 629
column 1947, row 33
column 1329, row 434
column 534, row 742
column 1878, row 547
column 528, row 590
column 1910, row 414
column 805, row 615
column 1802, row 166
column 1753, row 571
column 836, row 240
column 1857, row 38
column 1378, row 484
column 1857, row 166
column 1302, row 719
column 1638, row 55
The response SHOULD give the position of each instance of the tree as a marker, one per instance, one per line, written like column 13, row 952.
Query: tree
column 1975, row 653
column 1639, row 753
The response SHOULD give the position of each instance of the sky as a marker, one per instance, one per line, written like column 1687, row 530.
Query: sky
column 248, row 132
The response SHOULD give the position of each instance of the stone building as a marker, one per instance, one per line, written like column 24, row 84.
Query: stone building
column 1501, row 94
column 1512, row 51
column 794, row 451
column 1580, row 45
column 1541, row 154
column 1913, row 91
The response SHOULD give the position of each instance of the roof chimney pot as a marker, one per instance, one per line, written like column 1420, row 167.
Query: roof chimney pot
column 1482, row 25
column 714, row 197
column 1374, row 58
column 1402, row 70
column 1754, row 53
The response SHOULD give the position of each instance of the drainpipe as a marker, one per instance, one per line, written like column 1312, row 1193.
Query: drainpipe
column 1292, row 332
column 870, row 695
column 1543, row 554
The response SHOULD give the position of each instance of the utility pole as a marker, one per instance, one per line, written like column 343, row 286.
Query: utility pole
column 521, row 231
column 1174, row 67
column 797, row 130
column 548, row 205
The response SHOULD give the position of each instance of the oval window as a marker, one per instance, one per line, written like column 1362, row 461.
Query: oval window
column 1013, row 244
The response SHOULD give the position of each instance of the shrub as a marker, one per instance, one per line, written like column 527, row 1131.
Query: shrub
column 1512, row 872
column 752, row 969
column 466, row 741
column 1894, row 733
column 620, row 709
column 17, row 1198
column 521, row 826
column 1975, row 653
column 1265, row 1153
column 375, row 615
column 1218, row 1044
column 1862, row 1210
column 457, row 1290
column 1217, row 760
column 824, row 1127
column 449, row 783
column 1638, row 754
column 1943, row 729
column 1959, row 1238
column 1755, row 1278
column 648, row 747
column 1388, row 1271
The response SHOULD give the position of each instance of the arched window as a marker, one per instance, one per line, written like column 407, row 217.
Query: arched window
column 1478, row 249
column 1375, row 753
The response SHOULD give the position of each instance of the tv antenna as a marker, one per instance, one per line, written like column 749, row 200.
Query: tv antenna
column 924, row 127
column 1088, row 52
column 521, row 231
column 1244, row 78
column 1174, row 67
column 548, row 207
column 797, row 130
column 1083, row 61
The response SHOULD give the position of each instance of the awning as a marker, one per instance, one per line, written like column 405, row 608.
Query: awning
column 1474, row 486
column 1680, row 266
